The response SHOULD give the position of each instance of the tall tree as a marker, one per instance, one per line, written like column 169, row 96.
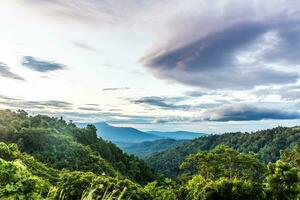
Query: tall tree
column 282, row 181
column 224, row 161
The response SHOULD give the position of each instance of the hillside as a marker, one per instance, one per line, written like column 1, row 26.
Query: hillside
column 145, row 149
column 44, row 158
column 62, row 145
column 268, row 143
column 178, row 135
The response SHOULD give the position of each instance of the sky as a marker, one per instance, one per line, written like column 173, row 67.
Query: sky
column 209, row 66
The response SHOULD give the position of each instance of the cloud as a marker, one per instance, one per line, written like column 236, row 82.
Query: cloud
column 39, row 65
column 232, row 50
column 90, row 11
column 288, row 93
column 92, row 104
column 171, row 103
column 89, row 109
column 236, row 112
column 8, row 98
column 5, row 72
column 173, row 119
column 65, row 109
column 116, row 88
column 162, row 102
column 85, row 46
column 243, row 112
column 24, row 104
column 110, row 117
column 196, row 93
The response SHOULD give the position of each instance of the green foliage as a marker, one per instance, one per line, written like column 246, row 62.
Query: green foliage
column 47, row 158
column 11, row 152
column 26, row 178
column 267, row 144
column 292, row 156
column 282, row 181
column 62, row 145
column 223, row 188
column 224, row 161
column 73, row 184
column 224, row 173
column 90, row 195
column 147, row 148
column 16, row 182
column 161, row 191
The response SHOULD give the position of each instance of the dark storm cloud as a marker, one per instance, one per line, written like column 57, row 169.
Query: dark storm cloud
column 246, row 113
column 171, row 103
column 162, row 102
column 5, row 72
column 240, row 112
column 214, row 61
column 39, row 65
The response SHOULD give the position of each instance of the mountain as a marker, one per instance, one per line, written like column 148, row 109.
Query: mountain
column 139, row 143
column 47, row 158
column 123, row 134
column 267, row 143
column 127, row 136
column 145, row 149
column 178, row 135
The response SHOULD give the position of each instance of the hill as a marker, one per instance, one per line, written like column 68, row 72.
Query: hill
column 49, row 159
column 62, row 145
column 122, row 134
column 267, row 143
column 145, row 149
column 178, row 135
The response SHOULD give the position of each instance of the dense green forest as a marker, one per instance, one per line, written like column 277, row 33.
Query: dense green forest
column 145, row 149
column 267, row 144
column 48, row 158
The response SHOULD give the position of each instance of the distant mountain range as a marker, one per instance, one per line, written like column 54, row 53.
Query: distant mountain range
column 131, row 135
column 178, row 135
column 123, row 134
column 266, row 143
column 140, row 143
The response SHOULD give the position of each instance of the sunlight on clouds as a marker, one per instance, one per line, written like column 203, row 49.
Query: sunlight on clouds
column 156, row 49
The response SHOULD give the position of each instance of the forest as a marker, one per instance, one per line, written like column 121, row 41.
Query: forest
column 42, row 157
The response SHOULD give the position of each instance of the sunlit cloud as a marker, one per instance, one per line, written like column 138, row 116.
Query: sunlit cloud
column 138, row 62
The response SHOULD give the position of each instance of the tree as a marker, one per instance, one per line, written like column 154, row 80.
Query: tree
column 223, row 188
column 282, row 181
column 16, row 182
column 292, row 156
column 224, row 161
column 161, row 191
